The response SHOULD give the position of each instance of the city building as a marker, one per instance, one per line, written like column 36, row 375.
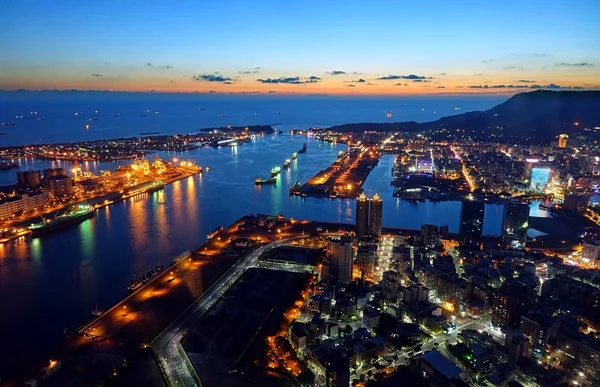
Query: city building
column 539, row 179
column 29, row 179
column 362, row 216
column 591, row 252
column 515, row 223
column 471, row 223
column 562, row 140
column 340, row 255
column 437, row 369
column 60, row 186
column 576, row 201
column 22, row 203
column 375, row 215
column 366, row 259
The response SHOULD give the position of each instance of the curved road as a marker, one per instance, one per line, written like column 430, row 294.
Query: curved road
column 175, row 364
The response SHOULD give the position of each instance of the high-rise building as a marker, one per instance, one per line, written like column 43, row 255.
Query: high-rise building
column 340, row 256
column 591, row 252
column 471, row 223
column 515, row 223
column 375, row 215
column 366, row 258
column 562, row 140
column 362, row 216
column 60, row 186
column 576, row 201
column 539, row 179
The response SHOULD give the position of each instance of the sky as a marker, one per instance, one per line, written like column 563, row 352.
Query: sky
column 301, row 47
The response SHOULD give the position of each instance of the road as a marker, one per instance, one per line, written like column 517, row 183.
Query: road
column 173, row 360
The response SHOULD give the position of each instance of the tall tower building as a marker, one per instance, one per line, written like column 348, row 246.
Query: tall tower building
column 340, row 256
column 562, row 140
column 375, row 215
column 471, row 223
column 515, row 223
column 362, row 216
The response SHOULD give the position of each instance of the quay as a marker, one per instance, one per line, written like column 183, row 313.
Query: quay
column 344, row 178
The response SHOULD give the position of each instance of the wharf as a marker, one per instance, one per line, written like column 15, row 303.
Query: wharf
column 342, row 179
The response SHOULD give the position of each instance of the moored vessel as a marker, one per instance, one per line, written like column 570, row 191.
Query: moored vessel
column 75, row 214
column 214, row 232
column 261, row 181
column 275, row 171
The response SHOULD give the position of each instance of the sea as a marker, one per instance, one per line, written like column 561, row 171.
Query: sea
column 54, row 282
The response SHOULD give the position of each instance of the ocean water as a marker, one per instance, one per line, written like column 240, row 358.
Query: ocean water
column 179, row 113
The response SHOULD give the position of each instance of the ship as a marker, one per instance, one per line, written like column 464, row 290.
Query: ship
column 295, row 189
column 287, row 163
column 137, row 283
column 294, row 156
column 214, row 232
column 275, row 171
column 97, row 312
column 117, row 115
column 156, row 113
column 389, row 114
column 303, row 149
column 8, row 123
column 74, row 215
column 260, row 181
column 92, row 119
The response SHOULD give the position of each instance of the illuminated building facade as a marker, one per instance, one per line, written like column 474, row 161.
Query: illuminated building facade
column 539, row 179
column 562, row 140
column 340, row 256
column 375, row 215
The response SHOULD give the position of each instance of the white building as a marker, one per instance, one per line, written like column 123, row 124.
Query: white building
column 22, row 203
column 591, row 252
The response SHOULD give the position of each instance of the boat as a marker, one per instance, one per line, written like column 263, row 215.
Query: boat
column 41, row 118
column 214, row 232
column 147, row 133
column 275, row 171
column 142, row 116
column 389, row 114
column 156, row 113
column 134, row 285
column 295, row 189
column 333, row 195
column 151, row 274
column 117, row 115
column 260, row 181
column 232, row 144
column 223, row 115
column 74, row 215
column 303, row 149
column 92, row 119
column 287, row 163
column 8, row 123
column 294, row 156
column 87, row 127
column 97, row 312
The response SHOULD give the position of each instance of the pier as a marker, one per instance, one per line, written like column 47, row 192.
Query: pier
column 344, row 178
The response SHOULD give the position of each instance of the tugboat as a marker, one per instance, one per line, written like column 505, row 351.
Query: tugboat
column 214, row 232
column 287, row 163
column 295, row 189
column 275, row 171
column 260, row 181
column 303, row 149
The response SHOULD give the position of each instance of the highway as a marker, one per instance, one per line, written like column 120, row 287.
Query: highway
column 173, row 360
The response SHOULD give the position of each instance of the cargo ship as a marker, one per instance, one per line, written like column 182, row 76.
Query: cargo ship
column 260, row 181
column 74, row 215
column 303, row 149
column 287, row 163
column 214, row 232
column 275, row 171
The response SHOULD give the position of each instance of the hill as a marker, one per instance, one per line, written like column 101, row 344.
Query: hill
column 538, row 116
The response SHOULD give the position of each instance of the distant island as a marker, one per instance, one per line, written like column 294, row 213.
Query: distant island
column 535, row 117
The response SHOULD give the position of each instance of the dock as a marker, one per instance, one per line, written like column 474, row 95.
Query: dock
column 344, row 178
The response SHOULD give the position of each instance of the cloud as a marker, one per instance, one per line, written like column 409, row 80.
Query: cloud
column 441, row 87
column 411, row 76
column 171, row 81
column 335, row 72
column 442, row 74
column 159, row 67
column 97, row 75
column 228, row 83
column 498, row 87
column 257, row 68
column 166, row 67
column 486, row 61
column 211, row 78
column 421, row 80
column 350, row 85
column 549, row 86
column 513, row 68
column 371, row 84
column 356, row 73
column 248, row 72
column 148, row 64
column 360, row 80
column 478, row 74
column 580, row 64
column 401, row 84
column 290, row 80
column 272, row 91
column 525, row 81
